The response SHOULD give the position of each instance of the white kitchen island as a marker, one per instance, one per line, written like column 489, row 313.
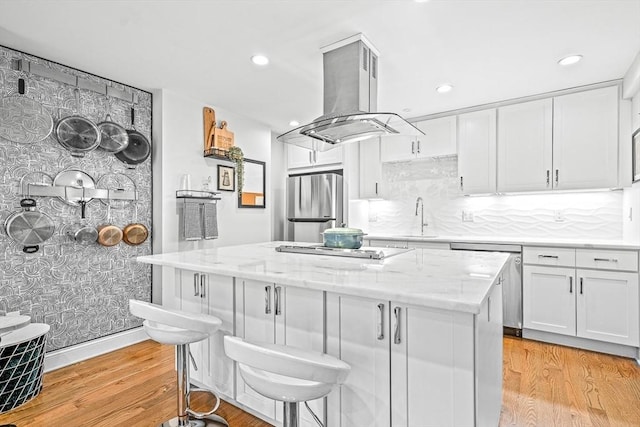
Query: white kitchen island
column 422, row 330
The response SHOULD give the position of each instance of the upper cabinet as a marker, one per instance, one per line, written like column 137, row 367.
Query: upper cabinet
column 439, row 139
column 565, row 143
column 298, row 157
column 370, row 169
column 525, row 146
column 585, row 139
column 477, row 152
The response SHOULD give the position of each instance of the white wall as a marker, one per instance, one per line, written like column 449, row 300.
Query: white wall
column 178, row 147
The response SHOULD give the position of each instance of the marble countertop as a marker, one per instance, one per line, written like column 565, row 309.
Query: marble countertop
column 524, row 241
column 434, row 278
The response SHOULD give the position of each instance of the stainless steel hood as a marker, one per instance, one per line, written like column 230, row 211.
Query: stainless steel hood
column 350, row 101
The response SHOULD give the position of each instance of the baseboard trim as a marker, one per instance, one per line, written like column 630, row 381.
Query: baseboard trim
column 68, row 356
column 577, row 342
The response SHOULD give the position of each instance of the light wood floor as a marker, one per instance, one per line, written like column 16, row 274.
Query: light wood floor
column 544, row 386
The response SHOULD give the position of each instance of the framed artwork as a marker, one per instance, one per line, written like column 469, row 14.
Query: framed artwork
column 254, row 188
column 635, row 138
column 226, row 178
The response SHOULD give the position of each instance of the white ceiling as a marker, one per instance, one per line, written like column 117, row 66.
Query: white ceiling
column 489, row 50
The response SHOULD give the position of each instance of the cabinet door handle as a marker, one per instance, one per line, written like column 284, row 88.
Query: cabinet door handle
column 581, row 286
column 548, row 177
column 461, row 184
column 548, row 256
column 310, row 157
column 413, row 147
column 489, row 309
column 195, row 285
column 203, row 283
column 278, row 289
column 557, row 178
column 267, row 300
column 570, row 284
column 376, row 188
column 418, row 150
column 380, row 322
column 396, row 332
column 605, row 259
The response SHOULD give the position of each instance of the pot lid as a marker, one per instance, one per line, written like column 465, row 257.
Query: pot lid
column 343, row 230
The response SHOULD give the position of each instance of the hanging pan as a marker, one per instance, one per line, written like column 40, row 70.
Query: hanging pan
column 75, row 179
column 76, row 133
column 113, row 137
column 109, row 234
column 22, row 119
column 29, row 227
column 138, row 149
column 135, row 233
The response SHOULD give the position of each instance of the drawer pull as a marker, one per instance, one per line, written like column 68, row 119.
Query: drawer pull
column 605, row 259
column 548, row 256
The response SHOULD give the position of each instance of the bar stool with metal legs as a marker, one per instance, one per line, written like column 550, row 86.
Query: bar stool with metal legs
column 180, row 328
column 287, row 374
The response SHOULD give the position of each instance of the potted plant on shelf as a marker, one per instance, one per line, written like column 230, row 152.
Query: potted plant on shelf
column 237, row 157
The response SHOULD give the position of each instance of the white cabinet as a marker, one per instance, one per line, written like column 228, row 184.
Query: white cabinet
column 607, row 306
column 439, row 137
column 298, row 157
column 596, row 297
column 267, row 312
column 548, row 297
column 585, row 139
column 397, row 352
column 370, row 170
column 399, row 148
column 477, row 152
column 210, row 294
column 358, row 333
column 525, row 146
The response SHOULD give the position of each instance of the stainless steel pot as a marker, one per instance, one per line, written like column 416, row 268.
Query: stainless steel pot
column 83, row 234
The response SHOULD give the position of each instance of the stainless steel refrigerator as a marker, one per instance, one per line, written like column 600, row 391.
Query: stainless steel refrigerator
column 314, row 203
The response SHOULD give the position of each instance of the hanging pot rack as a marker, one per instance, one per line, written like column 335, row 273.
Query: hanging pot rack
column 69, row 79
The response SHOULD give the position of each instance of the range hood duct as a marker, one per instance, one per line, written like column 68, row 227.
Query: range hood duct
column 350, row 101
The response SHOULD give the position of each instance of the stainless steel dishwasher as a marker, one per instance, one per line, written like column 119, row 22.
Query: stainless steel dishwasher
column 512, row 285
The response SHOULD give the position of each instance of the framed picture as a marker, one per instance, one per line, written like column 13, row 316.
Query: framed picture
column 635, row 138
column 226, row 178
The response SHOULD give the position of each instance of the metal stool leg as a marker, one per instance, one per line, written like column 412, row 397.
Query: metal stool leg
column 290, row 414
column 185, row 416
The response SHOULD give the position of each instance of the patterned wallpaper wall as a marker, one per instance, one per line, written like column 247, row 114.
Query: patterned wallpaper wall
column 593, row 215
column 82, row 292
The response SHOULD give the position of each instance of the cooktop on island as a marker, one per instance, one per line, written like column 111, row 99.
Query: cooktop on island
column 368, row 252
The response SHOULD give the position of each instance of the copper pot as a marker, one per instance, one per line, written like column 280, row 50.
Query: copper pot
column 135, row 234
column 109, row 235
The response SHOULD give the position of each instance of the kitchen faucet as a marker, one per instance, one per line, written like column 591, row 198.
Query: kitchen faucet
column 420, row 205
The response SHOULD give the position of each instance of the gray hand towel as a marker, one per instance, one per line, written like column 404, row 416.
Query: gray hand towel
column 210, row 220
column 192, row 222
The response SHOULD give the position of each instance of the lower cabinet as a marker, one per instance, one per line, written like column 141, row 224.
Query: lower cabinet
column 593, row 304
column 210, row 294
column 268, row 312
column 413, row 366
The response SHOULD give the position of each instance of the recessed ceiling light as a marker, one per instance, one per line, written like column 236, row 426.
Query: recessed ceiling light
column 259, row 59
column 444, row 88
column 294, row 123
column 571, row 59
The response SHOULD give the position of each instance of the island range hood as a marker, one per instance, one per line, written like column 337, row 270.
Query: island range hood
column 350, row 101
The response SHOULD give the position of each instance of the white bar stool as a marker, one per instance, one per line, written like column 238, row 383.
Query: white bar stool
column 180, row 328
column 287, row 374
